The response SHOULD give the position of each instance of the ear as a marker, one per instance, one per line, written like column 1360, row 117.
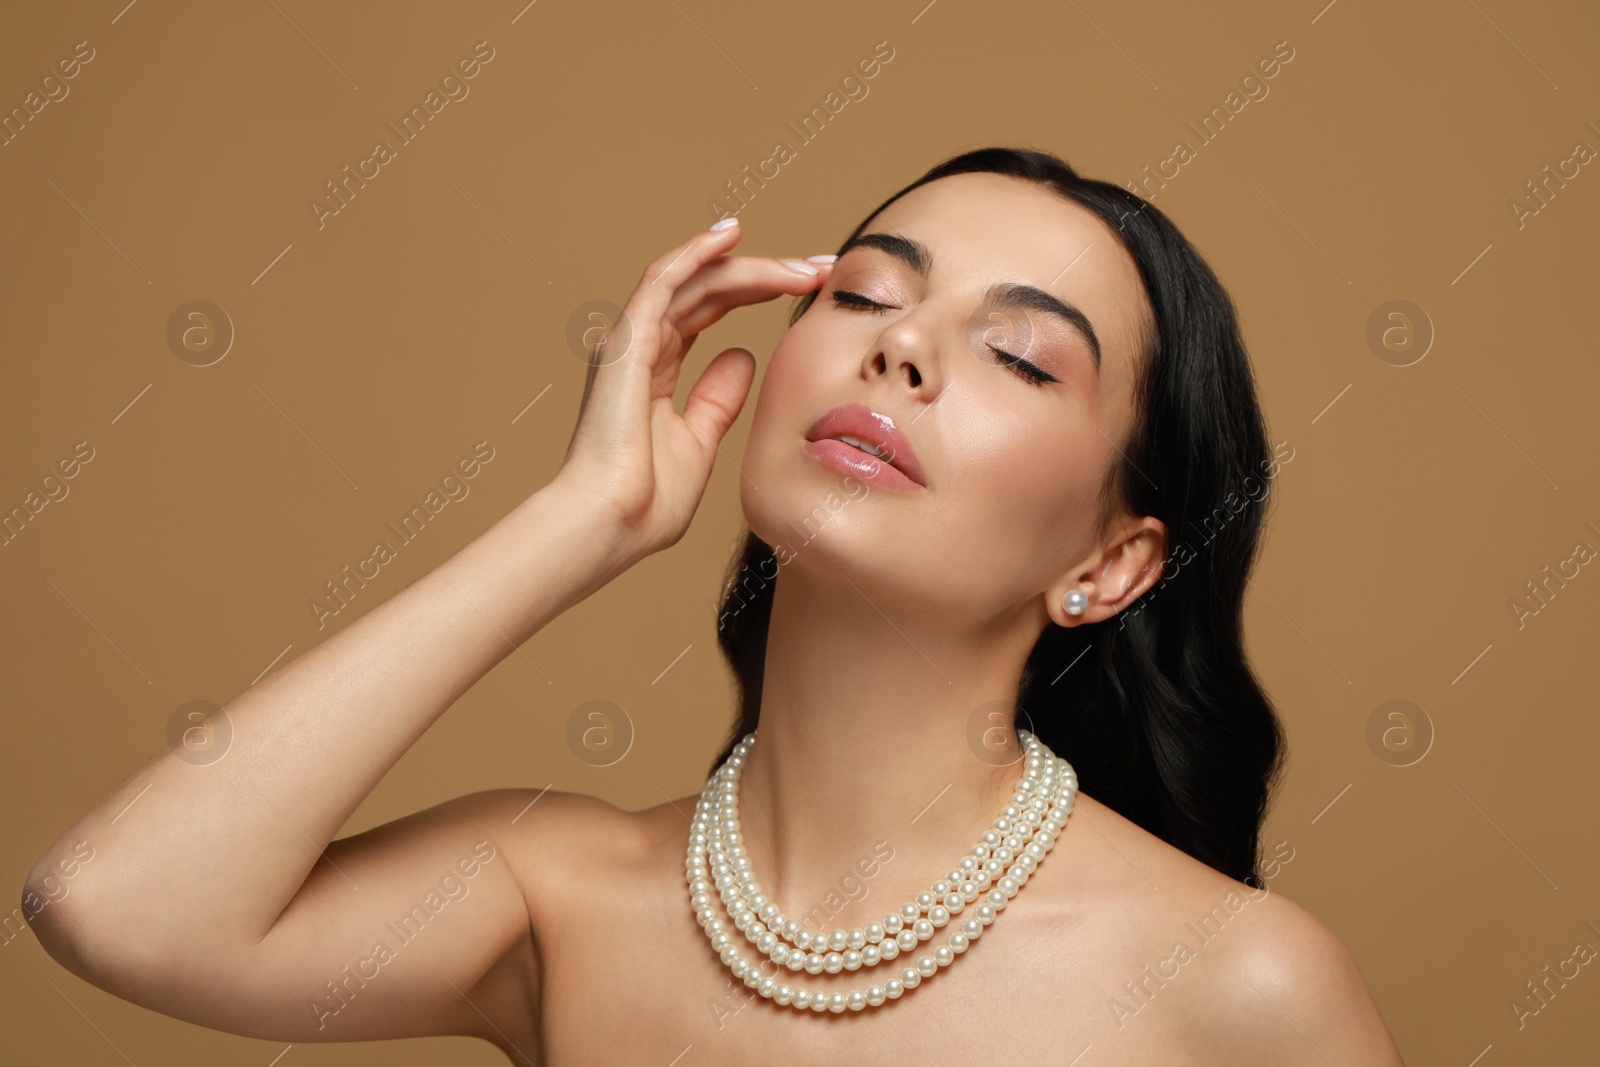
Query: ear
column 1118, row 577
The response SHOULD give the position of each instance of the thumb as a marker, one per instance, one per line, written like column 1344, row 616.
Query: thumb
column 719, row 394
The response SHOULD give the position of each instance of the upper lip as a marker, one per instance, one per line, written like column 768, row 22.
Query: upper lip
column 875, row 428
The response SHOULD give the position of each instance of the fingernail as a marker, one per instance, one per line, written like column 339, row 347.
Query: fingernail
column 803, row 268
column 723, row 224
column 822, row 259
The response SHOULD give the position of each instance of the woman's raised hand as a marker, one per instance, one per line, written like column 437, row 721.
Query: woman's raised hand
column 632, row 451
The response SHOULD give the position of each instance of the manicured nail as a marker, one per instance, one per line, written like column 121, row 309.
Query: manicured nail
column 803, row 268
column 822, row 259
column 723, row 224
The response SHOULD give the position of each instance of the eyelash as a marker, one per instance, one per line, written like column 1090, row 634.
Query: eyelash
column 1025, row 370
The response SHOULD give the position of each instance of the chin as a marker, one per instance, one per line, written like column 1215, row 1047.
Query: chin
column 801, row 504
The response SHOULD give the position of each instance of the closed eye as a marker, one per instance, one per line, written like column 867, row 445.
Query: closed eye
column 1025, row 370
column 847, row 298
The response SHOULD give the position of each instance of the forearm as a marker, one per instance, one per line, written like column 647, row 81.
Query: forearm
column 217, row 851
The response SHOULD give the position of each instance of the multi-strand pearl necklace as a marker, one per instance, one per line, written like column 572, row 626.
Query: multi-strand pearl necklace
column 1004, row 859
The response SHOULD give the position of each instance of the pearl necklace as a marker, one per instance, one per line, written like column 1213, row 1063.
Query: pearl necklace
column 1006, row 856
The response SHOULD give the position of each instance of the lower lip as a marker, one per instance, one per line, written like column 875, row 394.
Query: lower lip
column 848, row 459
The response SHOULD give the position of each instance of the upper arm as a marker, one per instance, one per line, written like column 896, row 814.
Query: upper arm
column 1298, row 996
column 416, row 927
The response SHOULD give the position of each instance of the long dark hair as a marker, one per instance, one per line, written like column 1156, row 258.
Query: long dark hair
column 1162, row 719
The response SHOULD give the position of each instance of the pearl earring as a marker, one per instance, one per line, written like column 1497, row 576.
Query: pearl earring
column 1074, row 602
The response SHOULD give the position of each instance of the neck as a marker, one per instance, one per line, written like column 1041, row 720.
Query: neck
column 875, row 766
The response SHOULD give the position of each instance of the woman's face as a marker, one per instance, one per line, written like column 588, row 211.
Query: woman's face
column 1008, row 469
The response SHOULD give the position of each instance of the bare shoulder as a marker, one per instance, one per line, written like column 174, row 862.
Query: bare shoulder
column 1274, row 985
column 564, row 842
column 1301, row 990
column 551, row 832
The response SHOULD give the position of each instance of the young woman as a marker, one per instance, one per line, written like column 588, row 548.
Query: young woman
column 1004, row 484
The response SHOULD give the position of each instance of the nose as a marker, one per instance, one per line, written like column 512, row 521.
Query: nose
column 905, row 351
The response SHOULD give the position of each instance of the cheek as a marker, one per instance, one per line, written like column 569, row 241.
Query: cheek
column 779, row 401
column 794, row 389
column 1024, row 499
column 997, row 482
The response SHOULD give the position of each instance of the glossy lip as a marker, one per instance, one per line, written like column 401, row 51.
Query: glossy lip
column 875, row 428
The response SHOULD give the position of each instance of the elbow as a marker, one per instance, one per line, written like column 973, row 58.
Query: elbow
column 40, row 910
column 47, row 903
column 51, row 906
column 104, row 934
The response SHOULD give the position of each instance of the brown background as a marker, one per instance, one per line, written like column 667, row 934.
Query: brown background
column 372, row 353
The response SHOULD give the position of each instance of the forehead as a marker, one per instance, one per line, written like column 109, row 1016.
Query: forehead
column 987, row 228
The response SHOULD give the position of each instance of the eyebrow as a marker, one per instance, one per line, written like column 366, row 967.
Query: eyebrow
column 1003, row 294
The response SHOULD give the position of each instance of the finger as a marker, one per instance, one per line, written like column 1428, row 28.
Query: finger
column 624, row 363
column 715, row 306
column 715, row 285
column 648, row 303
column 719, row 395
column 725, row 274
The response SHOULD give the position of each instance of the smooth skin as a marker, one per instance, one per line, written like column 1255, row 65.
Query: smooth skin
column 560, row 930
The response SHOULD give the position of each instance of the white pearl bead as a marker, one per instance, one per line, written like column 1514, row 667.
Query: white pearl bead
column 910, row 977
column 856, row 1000
column 836, row 1003
column 839, row 940
column 875, row 995
column 782, row 993
column 893, row 988
column 802, row 998
column 832, row 962
column 926, row 966
column 944, row 955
